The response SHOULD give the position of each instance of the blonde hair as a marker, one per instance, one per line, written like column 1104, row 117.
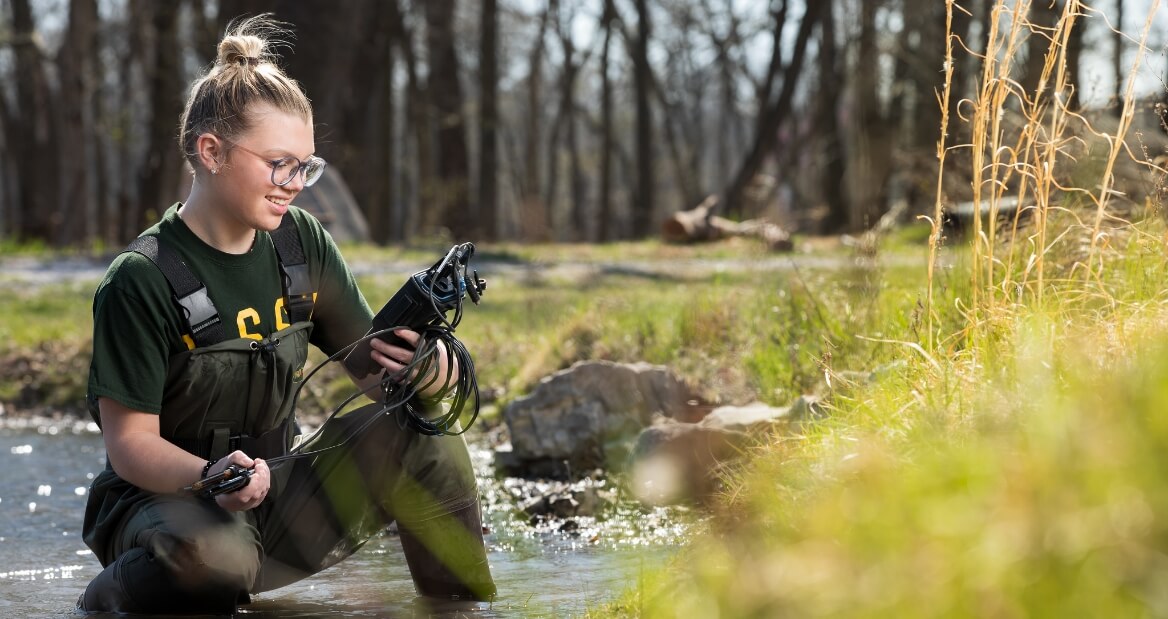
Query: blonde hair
column 244, row 74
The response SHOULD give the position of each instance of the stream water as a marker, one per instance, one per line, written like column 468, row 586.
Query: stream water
column 548, row 570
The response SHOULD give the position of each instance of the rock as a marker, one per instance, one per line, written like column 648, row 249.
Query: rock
column 676, row 462
column 565, row 506
column 537, row 506
column 545, row 500
column 753, row 417
column 572, row 418
column 587, row 500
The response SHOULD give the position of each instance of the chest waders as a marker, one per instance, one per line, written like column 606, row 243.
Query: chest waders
column 165, row 553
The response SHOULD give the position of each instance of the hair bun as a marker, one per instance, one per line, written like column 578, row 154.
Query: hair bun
column 242, row 50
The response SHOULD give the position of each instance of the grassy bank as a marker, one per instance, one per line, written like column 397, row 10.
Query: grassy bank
column 736, row 323
column 1019, row 472
column 1013, row 464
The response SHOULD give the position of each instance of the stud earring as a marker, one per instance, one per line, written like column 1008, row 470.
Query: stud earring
column 215, row 170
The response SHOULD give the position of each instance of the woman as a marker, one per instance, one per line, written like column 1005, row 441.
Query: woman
column 201, row 332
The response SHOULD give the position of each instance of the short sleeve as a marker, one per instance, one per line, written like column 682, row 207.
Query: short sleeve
column 133, row 335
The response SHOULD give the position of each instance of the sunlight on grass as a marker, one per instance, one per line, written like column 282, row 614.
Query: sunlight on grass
column 1010, row 458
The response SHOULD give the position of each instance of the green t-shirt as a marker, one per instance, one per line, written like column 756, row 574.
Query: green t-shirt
column 137, row 327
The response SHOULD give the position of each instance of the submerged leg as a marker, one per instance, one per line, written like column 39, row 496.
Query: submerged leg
column 446, row 555
column 337, row 501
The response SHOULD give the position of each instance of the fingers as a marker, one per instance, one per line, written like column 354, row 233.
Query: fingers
column 239, row 458
column 409, row 336
column 439, row 372
column 399, row 356
column 256, row 490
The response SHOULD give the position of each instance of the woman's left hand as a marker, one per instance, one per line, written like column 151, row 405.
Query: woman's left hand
column 395, row 358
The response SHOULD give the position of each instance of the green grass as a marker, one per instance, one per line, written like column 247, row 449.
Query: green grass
column 32, row 316
column 1017, row 470
column 735, row 334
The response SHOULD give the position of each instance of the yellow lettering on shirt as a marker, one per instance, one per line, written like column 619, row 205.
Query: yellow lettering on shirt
column 248, row 321
column 243, row 318
column 281, row 315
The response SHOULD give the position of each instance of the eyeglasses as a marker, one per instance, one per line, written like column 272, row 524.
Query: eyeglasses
column 285, row 169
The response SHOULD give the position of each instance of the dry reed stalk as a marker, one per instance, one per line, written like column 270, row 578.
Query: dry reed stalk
column 1027, row 160
column 986, row 134
column 938, row 206
column 1117, row 144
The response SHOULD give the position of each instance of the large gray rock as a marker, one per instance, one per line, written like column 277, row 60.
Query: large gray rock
column 676, row 462
column 573, row 417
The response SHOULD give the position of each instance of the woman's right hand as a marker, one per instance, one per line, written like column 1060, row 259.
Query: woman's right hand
column 251, row 495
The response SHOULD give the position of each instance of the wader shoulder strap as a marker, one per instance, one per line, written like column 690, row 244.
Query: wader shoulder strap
column 294, row 268
column 195, row 303
column 189, row 293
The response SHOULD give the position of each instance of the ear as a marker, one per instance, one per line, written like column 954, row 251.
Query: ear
column 210, row 151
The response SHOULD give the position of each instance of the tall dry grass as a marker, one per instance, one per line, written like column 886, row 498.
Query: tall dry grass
column 1014, row 464
column 1027, row 146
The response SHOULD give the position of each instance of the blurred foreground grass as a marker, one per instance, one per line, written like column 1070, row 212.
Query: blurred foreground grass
column 1021, row 472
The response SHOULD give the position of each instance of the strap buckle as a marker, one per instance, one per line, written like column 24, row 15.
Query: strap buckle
column 199, row 310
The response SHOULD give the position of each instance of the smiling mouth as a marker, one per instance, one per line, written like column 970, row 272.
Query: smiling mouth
column 279, row 201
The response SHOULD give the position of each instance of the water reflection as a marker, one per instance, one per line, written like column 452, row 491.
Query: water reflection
column 543, row 568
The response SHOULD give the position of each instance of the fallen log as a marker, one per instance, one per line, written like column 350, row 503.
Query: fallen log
column 700, row 225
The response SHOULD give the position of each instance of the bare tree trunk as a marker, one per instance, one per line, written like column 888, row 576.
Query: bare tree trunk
column 9, row 205
column 829, row 95
column 35, row 136
column 126, row 211
column 204, row 30
column 769, row 119
column 565, row 128
column 674, row 117
column 349, row 88
column 380, row 143
column 377, row 127
column 451, row 192
column 965, row 65
column 869, row 157
column 694, row 119
column 644, row 206
column 1043, row 15
column 488, row 218
column 607, row 20
column 78, row 76
column 533, row 211
column 417, row 117
column 159, row 174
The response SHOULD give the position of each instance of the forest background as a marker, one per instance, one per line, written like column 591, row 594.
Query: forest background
column 565, row 120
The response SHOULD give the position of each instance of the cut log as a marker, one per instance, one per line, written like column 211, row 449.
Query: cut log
column 700, row 224
column 691, row 226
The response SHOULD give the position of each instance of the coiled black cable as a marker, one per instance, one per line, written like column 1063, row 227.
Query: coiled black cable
column 401, row 390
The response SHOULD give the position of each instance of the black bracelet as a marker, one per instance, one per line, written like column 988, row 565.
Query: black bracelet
column 207, row 468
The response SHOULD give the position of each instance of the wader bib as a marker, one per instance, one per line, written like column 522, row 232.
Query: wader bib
column 170, row 552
